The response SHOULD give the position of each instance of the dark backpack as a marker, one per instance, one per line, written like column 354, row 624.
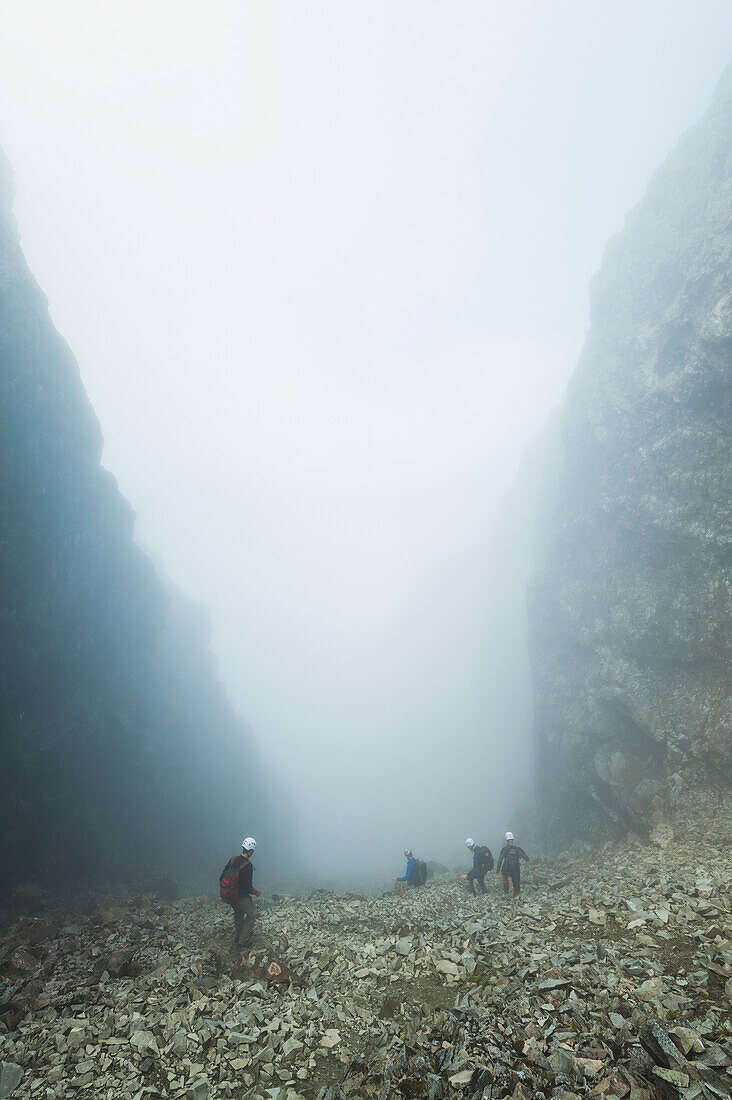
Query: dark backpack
column 420, row 874
column 512, row 858
column 229, row 880
column 485, row 859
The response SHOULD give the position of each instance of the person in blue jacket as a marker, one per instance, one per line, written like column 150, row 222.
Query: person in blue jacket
column 410, row 875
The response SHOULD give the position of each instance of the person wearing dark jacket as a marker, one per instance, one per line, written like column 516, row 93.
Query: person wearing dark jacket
column 240, row 870
column 509, row 864
column 482, row 864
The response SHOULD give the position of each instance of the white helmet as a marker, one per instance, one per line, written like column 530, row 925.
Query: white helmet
column 470, row 843
column 408, row 853
column 510, row 836
column 248, row 844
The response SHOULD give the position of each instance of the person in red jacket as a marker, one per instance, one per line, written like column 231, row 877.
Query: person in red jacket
column 237, row 888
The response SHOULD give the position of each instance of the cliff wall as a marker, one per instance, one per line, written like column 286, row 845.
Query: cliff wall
column 629, row 609
column 119, row 747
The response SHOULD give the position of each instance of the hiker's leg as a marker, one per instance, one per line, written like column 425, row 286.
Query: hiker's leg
column 470, row 876
column 238, row 920
column 504, row 880
column 249, row 911
column 516, row 879
column 481, row 883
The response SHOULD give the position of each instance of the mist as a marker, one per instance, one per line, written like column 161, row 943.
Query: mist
column 324, row 269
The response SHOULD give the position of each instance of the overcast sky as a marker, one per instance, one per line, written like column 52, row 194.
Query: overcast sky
column 324, row 267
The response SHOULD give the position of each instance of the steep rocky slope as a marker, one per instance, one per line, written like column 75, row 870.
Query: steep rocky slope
column 629, row 610
column 607, row 978
column 119, row 748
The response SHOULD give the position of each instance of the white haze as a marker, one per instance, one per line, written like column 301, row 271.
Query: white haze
column 324, row 268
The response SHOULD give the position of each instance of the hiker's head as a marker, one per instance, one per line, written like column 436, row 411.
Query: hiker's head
column 470, row 843
column 408, row 853
column 248, row 845
column 509, row 838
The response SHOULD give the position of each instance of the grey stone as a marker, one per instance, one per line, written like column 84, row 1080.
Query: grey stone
column 553, row 983
column 673, row 1076
column 687, row 1040
column 10, row 1077
column 462, row 1078
column 144, row 1042
column 562, row 1062
column 446, row 966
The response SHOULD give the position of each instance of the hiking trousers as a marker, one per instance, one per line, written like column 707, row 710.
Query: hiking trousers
column 244, row 913
column 477, row 876
column 515, row 876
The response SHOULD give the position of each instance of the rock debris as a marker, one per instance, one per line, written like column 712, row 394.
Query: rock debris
column 609, row 977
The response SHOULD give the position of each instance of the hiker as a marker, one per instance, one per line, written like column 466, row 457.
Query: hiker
column 509, row 864
column 236, row 889
column 482, row 864
column 413, row 874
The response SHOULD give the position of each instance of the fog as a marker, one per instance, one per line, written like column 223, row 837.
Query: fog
column 324, row 268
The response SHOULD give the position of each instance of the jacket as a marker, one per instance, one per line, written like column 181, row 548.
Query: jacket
column 411, row 870
column 503, row 859
column 244, row 878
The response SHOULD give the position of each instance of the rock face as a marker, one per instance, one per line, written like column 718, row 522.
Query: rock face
column 629, row 610
column 118, row 744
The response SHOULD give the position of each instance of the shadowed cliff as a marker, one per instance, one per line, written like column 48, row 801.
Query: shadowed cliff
column 120, row 750
column 629, row 611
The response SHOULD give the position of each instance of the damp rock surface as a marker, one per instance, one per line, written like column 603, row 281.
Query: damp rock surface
column 494, row 997
column 113, row 722
column 629, row 608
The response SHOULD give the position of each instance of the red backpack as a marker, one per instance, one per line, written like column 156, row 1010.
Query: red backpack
column 229, row 880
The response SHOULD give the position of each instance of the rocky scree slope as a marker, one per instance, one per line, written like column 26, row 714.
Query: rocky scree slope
column 608, row 978
column 118, row 745
column 629, row 609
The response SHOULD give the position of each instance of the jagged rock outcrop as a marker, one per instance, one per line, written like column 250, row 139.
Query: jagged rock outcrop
column 118, row 745
column 629, row 610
